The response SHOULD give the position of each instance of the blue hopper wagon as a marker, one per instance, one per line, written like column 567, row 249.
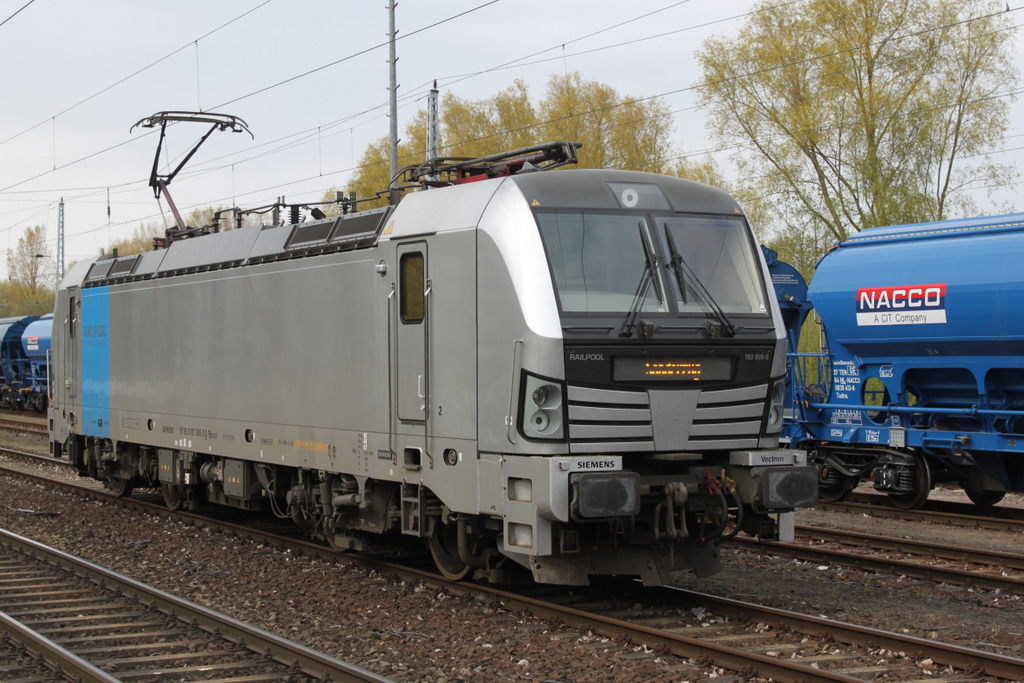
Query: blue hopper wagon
column 24, row 359
column 921, row 380
column 35, row 342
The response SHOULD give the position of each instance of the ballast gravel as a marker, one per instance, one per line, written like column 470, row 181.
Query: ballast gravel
column 411, row 632
column 405, row 631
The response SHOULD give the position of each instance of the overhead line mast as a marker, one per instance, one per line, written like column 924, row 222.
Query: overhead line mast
column 393, row 191
column 60, row 243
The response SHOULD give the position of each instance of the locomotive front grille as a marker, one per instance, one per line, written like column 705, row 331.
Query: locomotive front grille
column 729, row 418
column 609, row 421
column 612, row 421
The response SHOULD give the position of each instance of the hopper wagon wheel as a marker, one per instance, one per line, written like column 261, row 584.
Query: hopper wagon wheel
column 174, row 496
column 834, row 487
column 122, row 488
column 981, row 497
column 922, row 486
column 444, row 548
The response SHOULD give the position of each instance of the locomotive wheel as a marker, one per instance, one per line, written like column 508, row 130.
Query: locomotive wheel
column 981, row 497
column 174, row 496
column 444, row 548
column 922, row 487
column 122, row 488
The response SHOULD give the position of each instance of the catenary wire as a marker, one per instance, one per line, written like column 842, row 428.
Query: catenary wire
column 133, row 74
column 17, row 12
column 663, row 94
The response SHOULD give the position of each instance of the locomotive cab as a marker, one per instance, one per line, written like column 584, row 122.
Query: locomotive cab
column 645, row 398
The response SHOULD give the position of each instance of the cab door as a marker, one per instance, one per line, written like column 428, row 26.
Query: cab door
column 71, row 348
column 62, row 368
column 411, row 362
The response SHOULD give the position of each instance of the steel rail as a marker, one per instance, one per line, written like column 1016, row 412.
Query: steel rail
column 1002, row 510
column 35, row 457
column 781, row 670
column 29, row 426
column 736, row 659
column 68, row 662
column 38, row 419
column 948, row 518
column 946, row 654
column 957, row 553
column 285, row 652
column 917, row 570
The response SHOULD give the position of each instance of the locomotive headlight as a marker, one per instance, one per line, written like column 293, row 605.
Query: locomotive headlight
column 541, row 415
column 548, row 396
column 773, row 421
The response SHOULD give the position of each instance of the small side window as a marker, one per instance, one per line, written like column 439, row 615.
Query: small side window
column 411, row 281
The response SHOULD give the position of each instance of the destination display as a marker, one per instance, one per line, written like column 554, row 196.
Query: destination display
column 671, row 369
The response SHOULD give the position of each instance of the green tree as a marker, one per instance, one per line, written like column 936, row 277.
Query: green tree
column 31, row 274
column 476, row 128
column 863, row 113
column 139, row 241
column 616, row 131
column 373, row 172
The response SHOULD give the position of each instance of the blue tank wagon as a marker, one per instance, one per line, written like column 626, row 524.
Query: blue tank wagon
column 35, row 344
column 925, row 342
column 14, row 363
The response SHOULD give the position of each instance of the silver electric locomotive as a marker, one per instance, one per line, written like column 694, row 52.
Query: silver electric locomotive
column 580, row 371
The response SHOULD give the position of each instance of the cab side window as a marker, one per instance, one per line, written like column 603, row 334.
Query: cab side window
column 411, row 281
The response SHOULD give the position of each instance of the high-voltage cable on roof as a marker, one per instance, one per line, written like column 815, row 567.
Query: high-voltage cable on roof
column 456, row 170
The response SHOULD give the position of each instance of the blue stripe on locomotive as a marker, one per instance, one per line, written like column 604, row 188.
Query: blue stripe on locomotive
column 96, row 362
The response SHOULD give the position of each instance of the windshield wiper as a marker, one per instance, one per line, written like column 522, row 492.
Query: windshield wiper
column 651, row 263
column 683, row 272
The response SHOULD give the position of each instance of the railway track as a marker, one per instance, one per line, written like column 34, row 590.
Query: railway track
column 677, row 620
column 927, row 561
column 96, row 625
column 13, row 422
column 995, row 519
column 705, row 630
column 1007, row 509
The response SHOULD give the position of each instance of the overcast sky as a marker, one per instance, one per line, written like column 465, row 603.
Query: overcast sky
column 76, row 76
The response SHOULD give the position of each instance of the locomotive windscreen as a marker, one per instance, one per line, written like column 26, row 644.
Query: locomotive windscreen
column 717, row 251
column 634, row 261
column 599, row 260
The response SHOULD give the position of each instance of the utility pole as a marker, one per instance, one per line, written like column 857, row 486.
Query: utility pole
column 433, row 133
column 393, row 193
column 60, row 244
